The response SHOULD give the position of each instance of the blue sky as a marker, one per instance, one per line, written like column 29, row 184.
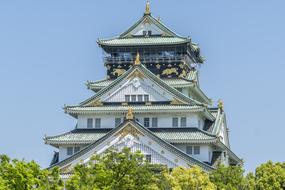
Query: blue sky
column 48, row 51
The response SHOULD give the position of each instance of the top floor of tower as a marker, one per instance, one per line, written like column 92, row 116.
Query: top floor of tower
column 162, row 51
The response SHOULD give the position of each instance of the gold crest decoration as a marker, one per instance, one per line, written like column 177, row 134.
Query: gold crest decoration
column 118, row 72
column 130, row 114
column 137, row 61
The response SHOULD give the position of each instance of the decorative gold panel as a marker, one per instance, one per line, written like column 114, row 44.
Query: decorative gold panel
column 129, row 129
column 175, row 101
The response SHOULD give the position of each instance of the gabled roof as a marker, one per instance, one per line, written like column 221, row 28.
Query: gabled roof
column 190, row 81
column 89, row 150
column 147, row 18
column 173, row 82
column 171, row 135
column 161, row 35
column 141, row 70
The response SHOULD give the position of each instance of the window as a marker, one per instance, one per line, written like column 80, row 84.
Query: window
column 144, row 32
column 140, row 98
column 117, row 121
column 148, row 158
column 146, row 98
column 89, row 123
column 69, row 151
column 149, row 32
column 146, row 122
column 174, row 122
column 196, row 150
column 97, row 123
column 183, row 122
column 133, row 98
column 189, row 150
column 127, row 98
column 76, row 149
column 154, row 122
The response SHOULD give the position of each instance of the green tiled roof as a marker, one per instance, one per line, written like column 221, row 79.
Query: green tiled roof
column 138, row 41
column 171, row 135
column 88, row 150
column 138, row 109
column 142, row 69
column 173, row 82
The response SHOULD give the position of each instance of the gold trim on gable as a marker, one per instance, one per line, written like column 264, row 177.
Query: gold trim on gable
column 175, row 101
column 129, row 129
column 95, row 103
column 136, row 74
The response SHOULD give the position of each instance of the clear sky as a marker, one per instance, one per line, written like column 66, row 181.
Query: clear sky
column 48, row 51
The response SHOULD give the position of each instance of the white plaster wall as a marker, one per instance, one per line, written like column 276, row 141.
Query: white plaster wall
column 137, row 86
column 205, row 151
column 164, row 120
column 63, row 151
column 146, row 27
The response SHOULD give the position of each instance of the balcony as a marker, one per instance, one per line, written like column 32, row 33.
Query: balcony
column 146, row 59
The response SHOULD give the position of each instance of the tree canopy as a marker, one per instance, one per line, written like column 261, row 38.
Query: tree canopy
column 124, row 170
column 114, row 170
column 190, row 179
column 21, row 175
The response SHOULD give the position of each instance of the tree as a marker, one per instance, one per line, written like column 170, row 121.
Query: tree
column 189, row 179
column 21, row 175
column 114, row 170
column 2, row 184
column 250, row 181
column 228, row 177
column 270, row 176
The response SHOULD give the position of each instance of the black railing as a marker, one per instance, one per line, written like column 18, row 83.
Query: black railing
column 146, row 59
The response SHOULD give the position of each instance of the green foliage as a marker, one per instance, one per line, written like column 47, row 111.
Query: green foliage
column 250, row 181
column 124, row 170
column 189, row 179
column 114, row 170
column 21, row 175
column 2, row 184
column 270, row 176
column 228, row 178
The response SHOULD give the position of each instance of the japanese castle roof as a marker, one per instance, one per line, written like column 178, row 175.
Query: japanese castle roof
column 174, row 82
column 161, row 35
column 89, row 150
column 190, row 81
column 171, row 135
column 138, row 41
column 154, row 108
column 139, row 69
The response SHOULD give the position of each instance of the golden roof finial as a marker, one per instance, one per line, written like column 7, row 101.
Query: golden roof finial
column 221, row 104
column 147, row 8
column 137, row 61
column 130, row 114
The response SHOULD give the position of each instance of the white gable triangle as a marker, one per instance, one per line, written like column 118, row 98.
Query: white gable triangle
column 145, row 26
column 138, row 87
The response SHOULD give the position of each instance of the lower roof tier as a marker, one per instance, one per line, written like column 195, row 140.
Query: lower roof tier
column 171, row 135
column 155, row 108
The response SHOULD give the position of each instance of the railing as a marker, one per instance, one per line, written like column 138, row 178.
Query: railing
column 147, row 59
